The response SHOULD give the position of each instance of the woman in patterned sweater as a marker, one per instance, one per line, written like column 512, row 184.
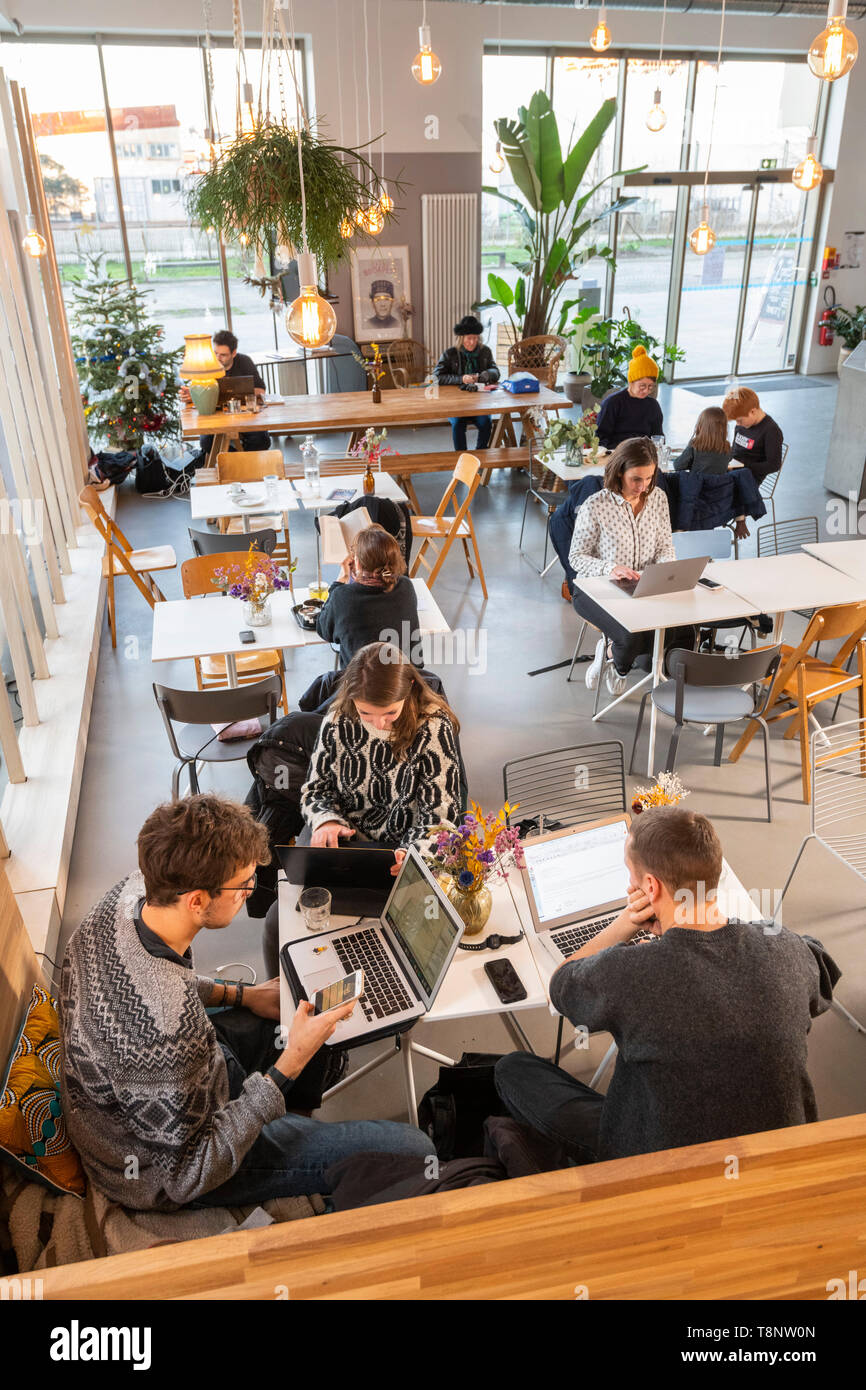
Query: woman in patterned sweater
column 386, row 765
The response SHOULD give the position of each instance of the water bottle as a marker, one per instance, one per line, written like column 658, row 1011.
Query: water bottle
column 310, row 455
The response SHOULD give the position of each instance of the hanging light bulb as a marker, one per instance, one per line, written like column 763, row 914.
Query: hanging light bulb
column 703, row 238
column 310, row 320
column 497, row 163
column 34, row 243
column 347, row 228
column 374, row 219
column 425, row 65
column 600, row 37
column 248, row 120
column 243, row 239
column 656, row 118
column 810, row 172
column 834, row 52
column 386, row 202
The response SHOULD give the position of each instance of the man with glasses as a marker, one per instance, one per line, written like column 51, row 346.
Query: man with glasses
column 167, row 1106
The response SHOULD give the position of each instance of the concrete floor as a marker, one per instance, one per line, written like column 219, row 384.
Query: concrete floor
column 504, row 713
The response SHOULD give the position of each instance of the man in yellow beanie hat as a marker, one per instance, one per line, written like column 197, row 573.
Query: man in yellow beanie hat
column 632, row 412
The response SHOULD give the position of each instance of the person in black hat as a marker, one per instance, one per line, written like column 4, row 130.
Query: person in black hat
column 382, row 297
column 468, row 362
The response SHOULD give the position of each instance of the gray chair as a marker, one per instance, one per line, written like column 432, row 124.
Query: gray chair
column 787, row 537
column 214, row 543
column 568, row 786
column 767, row 487
column 708, row 689
column 345, row 373
column 197, row 710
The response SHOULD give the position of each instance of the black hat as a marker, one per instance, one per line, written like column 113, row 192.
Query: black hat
column 381, row 287
column 468, row 324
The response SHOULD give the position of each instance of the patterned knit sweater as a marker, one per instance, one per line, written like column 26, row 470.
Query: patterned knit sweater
column 144, row 1085
column 356, row 779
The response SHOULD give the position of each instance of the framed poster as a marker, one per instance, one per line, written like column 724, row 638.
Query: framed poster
column 380, row 282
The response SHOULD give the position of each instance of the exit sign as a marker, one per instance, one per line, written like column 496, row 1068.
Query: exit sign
column 769, row 163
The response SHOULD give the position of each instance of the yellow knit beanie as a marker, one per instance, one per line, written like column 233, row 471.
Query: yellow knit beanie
column 641, row 365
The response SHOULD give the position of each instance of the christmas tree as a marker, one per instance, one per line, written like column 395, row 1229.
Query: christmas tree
column 129, row 384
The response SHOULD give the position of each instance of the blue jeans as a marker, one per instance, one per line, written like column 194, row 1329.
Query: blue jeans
column 291, row 1155
column 484, row 425
column 547, row 1099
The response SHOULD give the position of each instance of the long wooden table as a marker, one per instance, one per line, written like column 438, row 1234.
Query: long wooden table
column 356, row 411
column 666, row 1226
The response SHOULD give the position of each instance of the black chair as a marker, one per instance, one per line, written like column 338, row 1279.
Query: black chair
column 214, row 543
column 708, row 689
column 197, row 710
column 567, row 786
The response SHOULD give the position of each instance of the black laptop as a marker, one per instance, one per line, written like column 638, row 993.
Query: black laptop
column 235, row 388
column 358, row 878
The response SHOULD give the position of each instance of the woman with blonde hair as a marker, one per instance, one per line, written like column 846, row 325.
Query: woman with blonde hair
column 372, row 596
column 708, row 450
column 386, row 766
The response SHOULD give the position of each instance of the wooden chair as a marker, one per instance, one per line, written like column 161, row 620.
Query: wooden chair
column 540, row 356
column 251, row 467
column 408, row 362
column 198, row 577
column 448, row 528
column 120, row 558
column 802, row 681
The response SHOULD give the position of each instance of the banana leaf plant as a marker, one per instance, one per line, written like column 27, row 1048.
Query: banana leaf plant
column 553, row 211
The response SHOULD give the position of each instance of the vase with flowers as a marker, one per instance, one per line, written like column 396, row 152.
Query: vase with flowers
column 371, row 448
column 667, row 790
column 254, row 581
column 468, row 856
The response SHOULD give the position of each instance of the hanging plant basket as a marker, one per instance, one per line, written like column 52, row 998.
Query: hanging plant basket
column 254, row 189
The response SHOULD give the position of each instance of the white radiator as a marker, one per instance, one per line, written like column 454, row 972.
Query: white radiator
column 451, row 253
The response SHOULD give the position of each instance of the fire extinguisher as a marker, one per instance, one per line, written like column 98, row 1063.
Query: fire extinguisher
column 825, row 322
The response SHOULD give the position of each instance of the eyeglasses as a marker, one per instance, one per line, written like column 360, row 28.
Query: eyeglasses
column 247, row 887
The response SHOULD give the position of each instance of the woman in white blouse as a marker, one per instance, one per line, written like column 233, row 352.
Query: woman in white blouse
column 617, row 532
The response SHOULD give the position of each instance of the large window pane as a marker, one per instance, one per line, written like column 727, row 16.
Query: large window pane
column 580, row 85
column 508, row 83
column 712, row 283
column 655, row 149
column 777, row 276
column 763, row 111
column 644, row 251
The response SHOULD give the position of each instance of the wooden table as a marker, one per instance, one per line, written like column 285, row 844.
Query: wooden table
column 355, row 411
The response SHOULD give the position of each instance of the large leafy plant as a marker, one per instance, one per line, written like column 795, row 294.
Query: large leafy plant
column 554, row 212
column 609, row 345
column 851, row 326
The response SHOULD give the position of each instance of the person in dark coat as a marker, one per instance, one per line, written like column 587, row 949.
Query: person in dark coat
column 373, row 597
column 632, row 412
column 469, row 362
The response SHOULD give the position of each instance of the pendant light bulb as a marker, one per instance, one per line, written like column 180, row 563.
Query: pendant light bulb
column 703, row 238
column 425, row 65
column 497, row 163
column 374, row 219
column 834, row 52
column 386, row 202
column 310, row 320
column 810, row 172
column 600, row 38
column 347, row 228
column 34, row 243
column 656, row 117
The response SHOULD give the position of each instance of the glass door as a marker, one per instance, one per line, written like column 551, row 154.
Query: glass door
column 777, row 277
column 712, row 285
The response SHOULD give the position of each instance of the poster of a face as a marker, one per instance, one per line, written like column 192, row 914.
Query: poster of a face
column 380, row 284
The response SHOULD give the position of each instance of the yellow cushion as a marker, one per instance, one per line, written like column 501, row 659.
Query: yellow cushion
column 32, row 1129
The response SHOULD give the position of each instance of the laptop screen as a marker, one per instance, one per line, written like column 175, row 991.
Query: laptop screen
column 421, row 924
column 577, row 873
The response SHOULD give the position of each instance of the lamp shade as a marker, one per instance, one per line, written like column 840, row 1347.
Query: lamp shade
column 200, row 362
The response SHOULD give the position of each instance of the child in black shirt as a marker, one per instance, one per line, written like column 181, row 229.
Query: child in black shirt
column 757, row 437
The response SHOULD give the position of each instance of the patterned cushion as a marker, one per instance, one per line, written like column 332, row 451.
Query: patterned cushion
column 33, row 1135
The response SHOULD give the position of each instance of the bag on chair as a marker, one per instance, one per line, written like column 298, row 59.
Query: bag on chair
column 156, row 478
column 454, row 1110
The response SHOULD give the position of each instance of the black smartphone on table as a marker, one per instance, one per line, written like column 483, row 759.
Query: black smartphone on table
column 247, row 635
column 505, row 980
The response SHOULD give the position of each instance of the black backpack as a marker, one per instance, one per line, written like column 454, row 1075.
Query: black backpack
column 279, row 761
column 454, row 1110
column 156, row 478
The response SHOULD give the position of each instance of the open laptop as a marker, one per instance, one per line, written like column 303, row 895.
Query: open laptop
column 235, row 388
column 404, row 955
column 576, row 883
column 358, row 877
column 670, row 577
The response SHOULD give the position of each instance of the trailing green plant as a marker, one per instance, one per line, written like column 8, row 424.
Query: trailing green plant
column 573, row 436
column 554, row 214
column 851, row 327
column 609, row 346
column 253, row 190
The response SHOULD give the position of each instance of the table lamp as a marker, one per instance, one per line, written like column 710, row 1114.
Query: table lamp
column 201, row 368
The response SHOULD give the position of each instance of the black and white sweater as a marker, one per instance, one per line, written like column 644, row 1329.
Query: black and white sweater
column 356, row 779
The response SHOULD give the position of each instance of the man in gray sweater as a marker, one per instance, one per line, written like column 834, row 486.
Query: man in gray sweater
column 710, row 1020
column 165, row 1105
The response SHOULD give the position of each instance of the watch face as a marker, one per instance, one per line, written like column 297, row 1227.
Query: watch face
column 494, row 941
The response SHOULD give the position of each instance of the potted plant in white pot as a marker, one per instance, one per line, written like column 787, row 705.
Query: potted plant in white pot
column 851, row 328
column 573, row 328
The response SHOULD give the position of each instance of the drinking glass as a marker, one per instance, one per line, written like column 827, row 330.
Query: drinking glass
column 315, row 903
column 270, row 482
column 251, row 402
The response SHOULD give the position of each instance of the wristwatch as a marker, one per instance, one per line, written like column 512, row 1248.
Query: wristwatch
column 491, row 943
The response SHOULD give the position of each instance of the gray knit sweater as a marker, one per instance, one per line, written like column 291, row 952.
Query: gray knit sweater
column 144, row 1084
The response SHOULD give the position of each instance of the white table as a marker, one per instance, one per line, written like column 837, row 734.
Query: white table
column 689, row 607
column 780, row 583
column 188, row 628
column 466, row 991
column 215, row 499
column 849, row 557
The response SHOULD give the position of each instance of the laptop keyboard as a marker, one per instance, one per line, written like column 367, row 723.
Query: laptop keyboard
column 384, row 993
column 570, row 939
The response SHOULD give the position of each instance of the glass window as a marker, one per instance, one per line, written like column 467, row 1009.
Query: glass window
column 763, row 111
column 655, row 149
column 712, row 283
column 644, row 252
column 508, row 83
column 580, row 85
column 778, row 275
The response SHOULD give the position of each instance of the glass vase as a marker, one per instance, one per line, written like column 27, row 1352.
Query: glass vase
column 473, row 905
column 257, row 612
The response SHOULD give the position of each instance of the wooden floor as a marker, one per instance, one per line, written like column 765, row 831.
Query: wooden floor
column 768, row 1216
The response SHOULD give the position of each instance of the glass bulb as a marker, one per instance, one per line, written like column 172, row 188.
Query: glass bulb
column 360, row 214
column 310, row 319
column 34, row 244
column 425, row 65
column 703, row 238
column 244, row 239
column 497, row 163
column 374, row 219
column 809, row 173
column 386, row 202
column 656, row 118
column 347, row 228
column 834, row 52
column 600, row 37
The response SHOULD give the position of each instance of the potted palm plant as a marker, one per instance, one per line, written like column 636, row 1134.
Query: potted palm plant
column 851, row 328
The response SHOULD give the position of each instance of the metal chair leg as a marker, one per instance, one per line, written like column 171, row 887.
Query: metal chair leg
column 767, row 768
column 720, row 743
column 523, row 522
column 672, row 748
column 580, row 638
column 558, row 1041
column 637, row 730
column 810, row 836
column 604, row 665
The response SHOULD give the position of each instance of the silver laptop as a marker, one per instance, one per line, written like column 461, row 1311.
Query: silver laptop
column 576, row 883
column 404, row 955
column 670, row 577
